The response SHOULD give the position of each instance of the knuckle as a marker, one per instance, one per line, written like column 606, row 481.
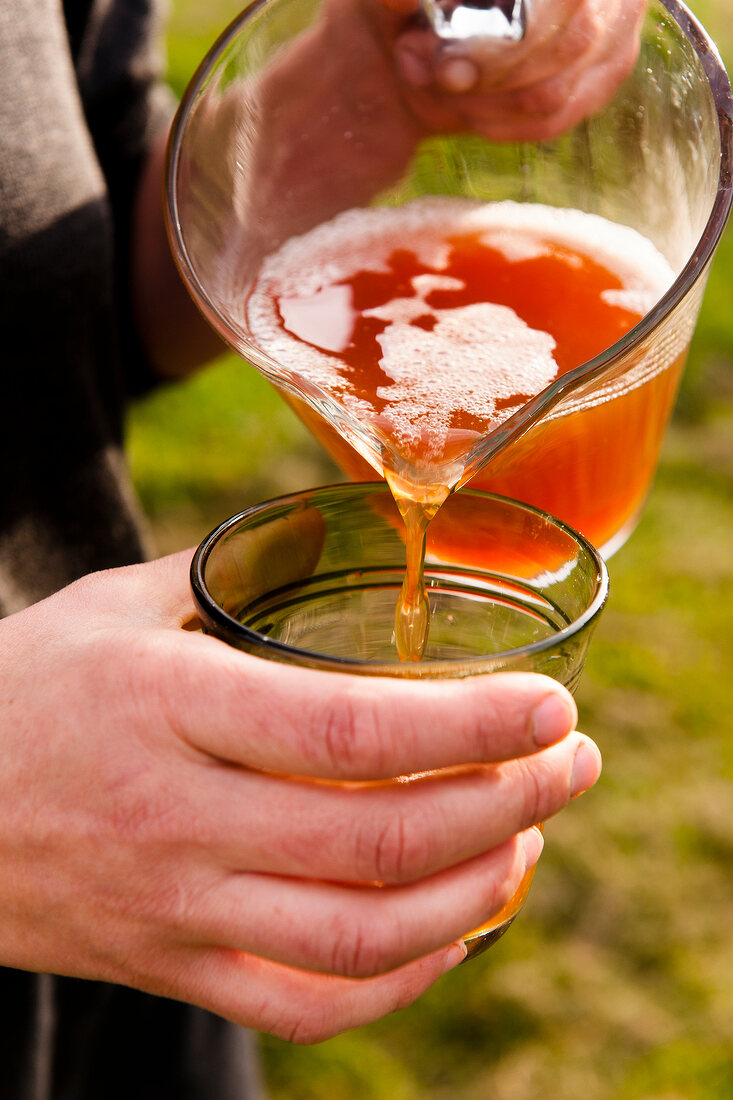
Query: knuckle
column 487, row 729
column 304, row 1032
column 533, row 797
column 299, row 1020
column 169, row 904
column 156, row 902
column 280, row 1020
column 145, row 814
column 537, row 791
column 314, row 1027
column 501, row 726
column 340, row 734
column 355, row 950
column 351, row 736
column 146, row 826
column 400, row 849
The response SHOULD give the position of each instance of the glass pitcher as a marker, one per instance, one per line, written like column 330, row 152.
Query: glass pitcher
column 297, row 118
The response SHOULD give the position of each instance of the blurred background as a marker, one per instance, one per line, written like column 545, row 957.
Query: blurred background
column 616, row 982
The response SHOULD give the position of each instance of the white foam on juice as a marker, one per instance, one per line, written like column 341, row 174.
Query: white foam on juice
column 473, row 356
column 409, row 309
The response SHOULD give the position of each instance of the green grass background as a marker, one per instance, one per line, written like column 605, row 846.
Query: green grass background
column 617, row 981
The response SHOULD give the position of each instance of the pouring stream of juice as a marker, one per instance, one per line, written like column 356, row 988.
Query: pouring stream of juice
column 412, row 614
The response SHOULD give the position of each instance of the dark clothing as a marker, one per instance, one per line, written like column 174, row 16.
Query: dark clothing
column 79, row 108
column 67, row 1039
column 80, row 103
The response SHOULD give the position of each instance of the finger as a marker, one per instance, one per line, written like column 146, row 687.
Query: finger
column 359, row 931
column 483, row 65
column 457, row 74
column 388, row 833
column 567, row 67
column 613, row 43
column 332, row 725
column 544, row 112
column 549, row 48
column 293, row 1004
column 593, row 88
column 578, row 75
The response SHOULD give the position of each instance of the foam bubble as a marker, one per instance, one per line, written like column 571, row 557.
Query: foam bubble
column 475, row 357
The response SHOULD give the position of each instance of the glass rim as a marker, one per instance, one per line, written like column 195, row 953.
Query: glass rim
column 295, row 655
column 543, row 402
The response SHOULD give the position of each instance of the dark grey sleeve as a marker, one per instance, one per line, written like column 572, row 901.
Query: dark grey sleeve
column 120, row 65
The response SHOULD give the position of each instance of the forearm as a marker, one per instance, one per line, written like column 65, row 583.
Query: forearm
column 174, row 335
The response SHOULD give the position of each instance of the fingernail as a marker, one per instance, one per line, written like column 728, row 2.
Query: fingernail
column 455, row 955
column 553, row 717
column 414, row 69
column 533, row 842
column 457, row 74
column 586, row 767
